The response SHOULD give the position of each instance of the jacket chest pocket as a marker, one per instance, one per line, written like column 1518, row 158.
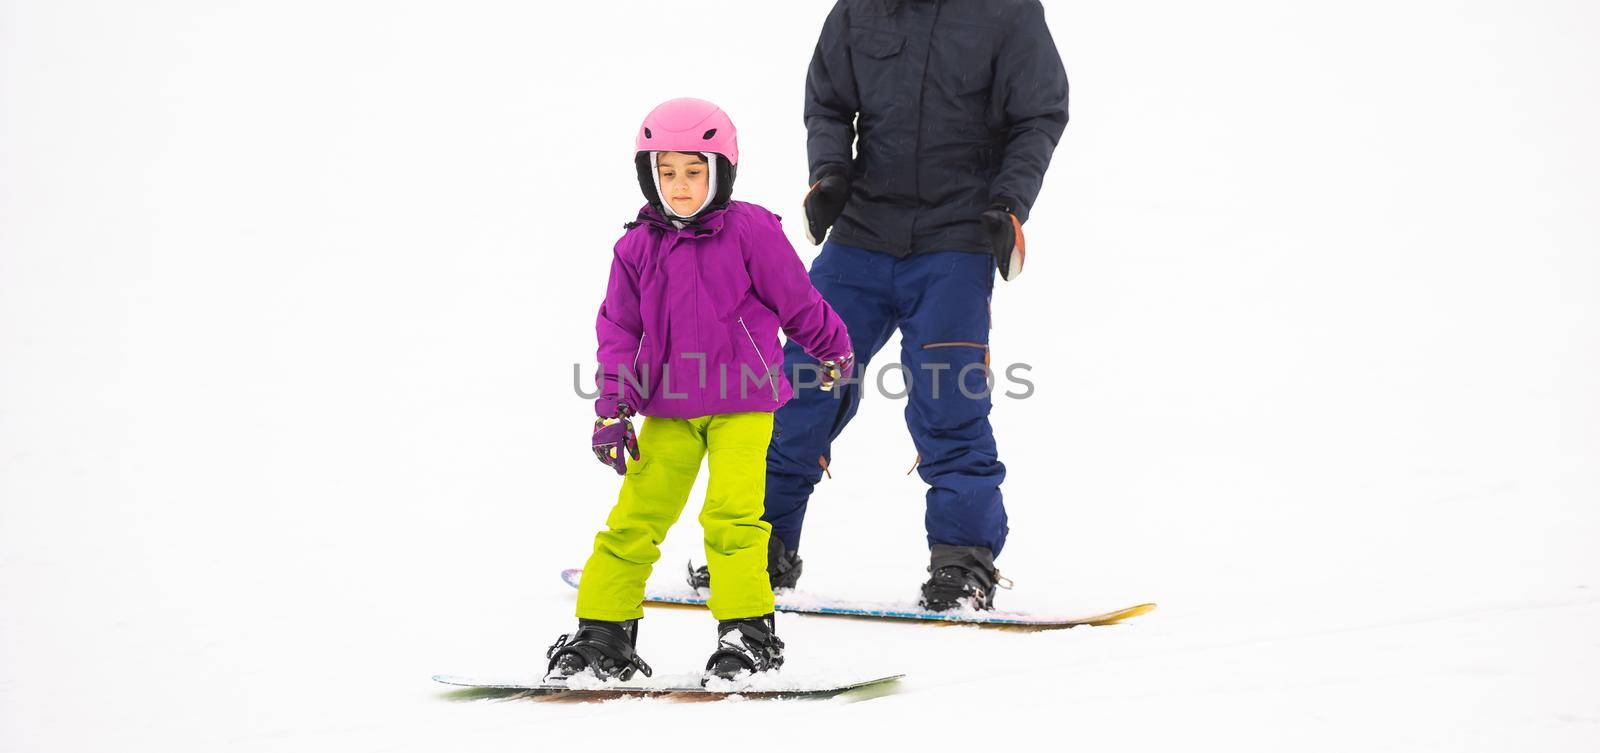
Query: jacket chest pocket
column 878, row 66
column 961, row 64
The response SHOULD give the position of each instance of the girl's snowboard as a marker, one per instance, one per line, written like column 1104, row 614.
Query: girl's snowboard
column 773, row 686
column 800, row 603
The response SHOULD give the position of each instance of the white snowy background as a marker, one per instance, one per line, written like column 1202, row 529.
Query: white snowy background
column 290, row 294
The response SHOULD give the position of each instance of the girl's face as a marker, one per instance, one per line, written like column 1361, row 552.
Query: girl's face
column 683, row 180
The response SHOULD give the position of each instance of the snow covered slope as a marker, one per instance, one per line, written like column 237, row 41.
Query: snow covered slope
column 290, row 295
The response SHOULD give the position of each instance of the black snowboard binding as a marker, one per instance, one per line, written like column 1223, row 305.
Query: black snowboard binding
column 783, row 567
column 601, row 648
column 747, row 645
column 960, row 577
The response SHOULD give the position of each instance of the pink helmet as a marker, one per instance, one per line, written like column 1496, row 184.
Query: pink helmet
column 688, row 125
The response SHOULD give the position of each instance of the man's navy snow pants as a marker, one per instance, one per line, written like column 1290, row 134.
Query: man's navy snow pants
column 940, row 303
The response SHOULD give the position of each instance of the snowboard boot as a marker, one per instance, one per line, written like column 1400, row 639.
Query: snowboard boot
column 600, row 648
column 960, row 577
column 745, row 646
column 783, row 567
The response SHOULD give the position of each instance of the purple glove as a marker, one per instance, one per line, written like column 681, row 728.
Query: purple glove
column 834, row 369
column 614, row 440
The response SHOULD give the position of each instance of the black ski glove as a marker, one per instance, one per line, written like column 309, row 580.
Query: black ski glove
column 824, row 203
column 1005, row 240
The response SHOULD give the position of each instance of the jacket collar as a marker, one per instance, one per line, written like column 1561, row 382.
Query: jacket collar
column 707, row 224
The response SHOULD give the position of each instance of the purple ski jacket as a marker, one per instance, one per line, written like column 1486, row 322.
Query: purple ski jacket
column 689, row 326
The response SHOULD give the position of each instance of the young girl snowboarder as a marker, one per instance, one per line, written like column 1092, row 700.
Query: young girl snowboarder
column 699, row 287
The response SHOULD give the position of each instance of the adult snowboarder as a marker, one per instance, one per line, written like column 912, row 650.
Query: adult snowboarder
column 953, row 108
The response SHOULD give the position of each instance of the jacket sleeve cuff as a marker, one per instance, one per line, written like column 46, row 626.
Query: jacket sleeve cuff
column 611, row 407
column 1012, row 205
column 829, row 168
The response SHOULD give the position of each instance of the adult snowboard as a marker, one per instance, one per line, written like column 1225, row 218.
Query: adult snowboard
column 802, row 603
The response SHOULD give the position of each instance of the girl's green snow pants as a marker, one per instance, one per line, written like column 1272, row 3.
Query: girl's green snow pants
column 653, row 495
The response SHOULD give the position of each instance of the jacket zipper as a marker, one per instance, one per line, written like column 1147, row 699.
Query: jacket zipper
column 916, row 147
column 955, row 344
column 765, row 369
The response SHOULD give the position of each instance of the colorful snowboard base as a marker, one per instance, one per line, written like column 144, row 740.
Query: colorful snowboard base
column 775, row 686
column 800, row 603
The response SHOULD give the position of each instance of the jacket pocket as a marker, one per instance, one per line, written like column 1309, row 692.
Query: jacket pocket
column 875, row 62
column 766, row 370
column 640, row 375
column 962, row 65
column 876, row 44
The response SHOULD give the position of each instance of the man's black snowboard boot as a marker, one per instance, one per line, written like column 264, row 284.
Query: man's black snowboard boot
column 747, row 645
column 783, row 567
column 960, row 577
column 601, row 648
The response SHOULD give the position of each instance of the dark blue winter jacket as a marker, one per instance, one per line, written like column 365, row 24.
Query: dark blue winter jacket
column 952, row 106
